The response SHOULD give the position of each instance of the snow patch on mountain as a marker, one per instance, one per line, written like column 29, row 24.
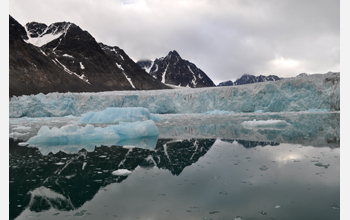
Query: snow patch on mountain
column 82, row 77
column 45, row 37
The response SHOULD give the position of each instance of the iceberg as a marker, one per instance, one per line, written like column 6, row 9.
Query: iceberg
column 116, row 115
column 73, row 134
column 265, row 124
column 121, row 172
column 317, row 91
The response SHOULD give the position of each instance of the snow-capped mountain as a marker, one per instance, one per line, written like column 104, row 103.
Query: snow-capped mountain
column 62, row 57
column 247, row 79
column 226, row 83
column 174, row 70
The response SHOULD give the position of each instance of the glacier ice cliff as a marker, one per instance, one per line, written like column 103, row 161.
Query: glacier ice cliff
column 317, row 91
column 116, row 115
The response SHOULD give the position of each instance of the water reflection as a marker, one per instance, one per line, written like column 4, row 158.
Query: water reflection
column 65, row 181
column 316, row 129
column 201, row 168
column 179, row 179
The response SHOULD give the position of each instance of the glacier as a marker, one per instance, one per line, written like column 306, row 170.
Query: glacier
column 311, row 92
column 116, row 115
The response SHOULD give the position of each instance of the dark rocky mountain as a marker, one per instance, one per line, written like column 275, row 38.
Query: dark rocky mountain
column 226, row 83
column 174, row 70
column 247, row 79
column 62, row 57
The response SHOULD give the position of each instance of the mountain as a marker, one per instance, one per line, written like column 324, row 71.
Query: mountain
column 247, row 79
column 62, row 57
column 226, row 83
column 174, row 70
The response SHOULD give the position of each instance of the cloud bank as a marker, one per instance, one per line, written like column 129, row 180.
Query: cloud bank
column 223, row 38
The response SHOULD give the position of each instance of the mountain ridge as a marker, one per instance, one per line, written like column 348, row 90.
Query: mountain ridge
column 174, row 70
column 248, row 79
column 61, row 57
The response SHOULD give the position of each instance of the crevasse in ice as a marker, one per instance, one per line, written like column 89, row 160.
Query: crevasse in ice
column 317, row 91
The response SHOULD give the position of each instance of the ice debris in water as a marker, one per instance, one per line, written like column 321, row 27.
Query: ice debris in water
column 279, row 124
column 277, row 206
column 73, row 134
column 263, row 168
column 116, row 115
column 335, row 207
column 262, row 213
column 238, row 218
column 322, row 165
column 217, row 112
column 121, row 172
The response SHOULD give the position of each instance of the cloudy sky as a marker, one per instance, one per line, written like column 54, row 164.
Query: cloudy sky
column 224, row 38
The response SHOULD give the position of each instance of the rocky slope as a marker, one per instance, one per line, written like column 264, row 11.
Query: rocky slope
column 247, row 79
column 62, row 57
column 174, row 70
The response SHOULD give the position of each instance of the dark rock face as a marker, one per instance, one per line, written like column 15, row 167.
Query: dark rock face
column 62, row 57
column 226, row 83
column 174, row 70
column 247, row 79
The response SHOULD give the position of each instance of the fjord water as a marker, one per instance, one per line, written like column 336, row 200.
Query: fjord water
column 201, row 167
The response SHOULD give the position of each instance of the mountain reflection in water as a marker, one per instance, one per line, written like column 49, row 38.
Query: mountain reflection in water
column 201, row 167
column 66, row 181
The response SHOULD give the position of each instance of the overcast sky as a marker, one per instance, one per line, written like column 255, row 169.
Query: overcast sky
column 224, row 38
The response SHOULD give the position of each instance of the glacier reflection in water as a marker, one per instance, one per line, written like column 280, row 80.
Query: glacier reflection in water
column 201, row 167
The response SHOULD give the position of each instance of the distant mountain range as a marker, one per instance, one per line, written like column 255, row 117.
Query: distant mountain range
column 174, row 70
column 62, row 57
column 247, row 79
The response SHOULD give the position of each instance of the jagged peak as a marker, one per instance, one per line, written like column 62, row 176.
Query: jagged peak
column 174, row 52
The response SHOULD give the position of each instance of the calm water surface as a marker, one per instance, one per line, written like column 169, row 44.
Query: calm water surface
column 197, row 169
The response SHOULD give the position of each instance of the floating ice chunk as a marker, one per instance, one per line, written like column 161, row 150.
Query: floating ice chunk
column 59, row 163
column 121, row 172
column 23, row 144
column 17, row 134
column 217, row 112
column 262, row 213
column 322, row 165
column 277, row 206
column 116, row 115
column 265, row 124
column 73, row 134
column 22, row 128
column 318, row 110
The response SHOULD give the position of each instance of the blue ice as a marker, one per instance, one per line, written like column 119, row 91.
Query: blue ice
column 74, row 134
column 116, row 115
